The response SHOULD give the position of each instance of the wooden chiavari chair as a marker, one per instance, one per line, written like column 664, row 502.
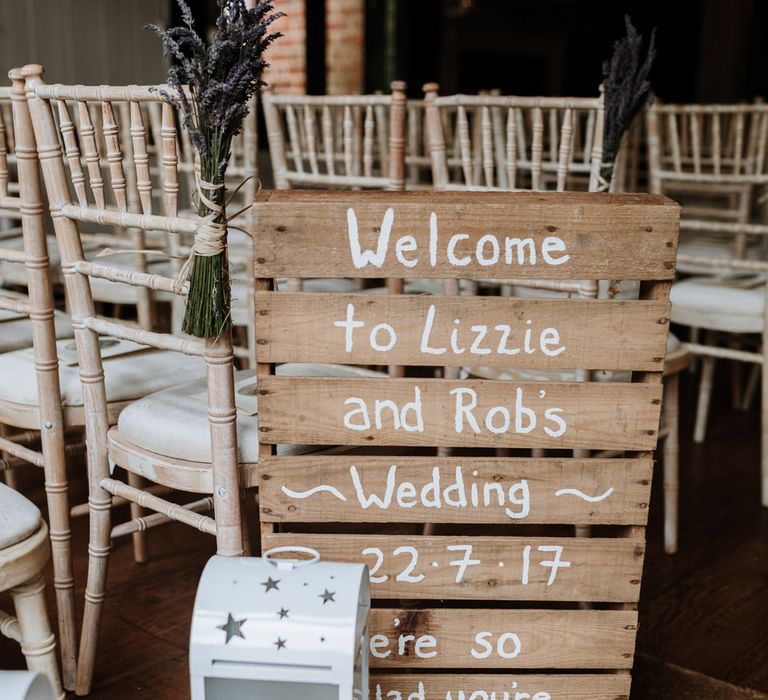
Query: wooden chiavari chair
column 24, row 552
column 721, row 148
column 30, row 392
column 349, row 141
column 712, row 157
column 101, row 380
column 536, row 143
column 337, row 142
column 192, row 437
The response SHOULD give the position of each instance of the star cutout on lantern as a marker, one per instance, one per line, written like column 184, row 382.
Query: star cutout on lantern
column 280, row 643
column 283, row 613
column 328, row 596
column 232, row 628
column 269, row 584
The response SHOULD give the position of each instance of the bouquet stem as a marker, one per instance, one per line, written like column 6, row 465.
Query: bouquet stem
column 207, row 311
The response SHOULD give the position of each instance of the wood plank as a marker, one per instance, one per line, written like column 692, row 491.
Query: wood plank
column 440, row 686
column 318, row 488
column 440, row 412
column 479, row 568
column 588, row 639
column 548, row 235
column 491, row 331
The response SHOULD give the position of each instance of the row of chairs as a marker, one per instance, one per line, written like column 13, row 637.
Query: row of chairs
column 141, row 409
column 55, row 390
column 712, row 158
column 480, row 142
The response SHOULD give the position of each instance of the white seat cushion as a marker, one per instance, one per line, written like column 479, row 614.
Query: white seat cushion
column 19, row 518
column 174, row 423
column 722, row 304
column 127, row 377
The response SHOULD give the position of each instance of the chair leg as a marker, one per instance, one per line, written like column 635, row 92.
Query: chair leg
column 764, row 436
column 57, row 496
column 37, row 641
column 99, row 547
column 139, row 538
column 671, row 457
column 749, row 392
column 9, row 475
column 705, row 394
column 736, row 385
column 695, row 338
column 11, row 479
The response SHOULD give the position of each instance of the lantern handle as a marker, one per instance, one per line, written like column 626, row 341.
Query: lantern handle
column 291, row 563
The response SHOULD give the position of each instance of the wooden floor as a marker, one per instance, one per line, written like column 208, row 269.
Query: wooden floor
column 704, row 612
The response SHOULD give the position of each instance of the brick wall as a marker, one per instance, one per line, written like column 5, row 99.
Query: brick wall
column 287, row 56
column 344, row 30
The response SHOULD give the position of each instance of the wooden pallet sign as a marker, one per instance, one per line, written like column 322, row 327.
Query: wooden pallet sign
column 482, row 588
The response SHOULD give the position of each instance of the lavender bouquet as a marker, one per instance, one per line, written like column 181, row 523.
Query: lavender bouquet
column 627, row 89
column 212, row 86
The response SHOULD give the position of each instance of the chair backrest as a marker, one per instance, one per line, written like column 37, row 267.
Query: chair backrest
column 7, row 144
column 711, row 150
column 368, row 505
column 38, row 303
column 707, row 143
column 25, row 202
column 514, row 143
column 337, row 141
column 56, row 142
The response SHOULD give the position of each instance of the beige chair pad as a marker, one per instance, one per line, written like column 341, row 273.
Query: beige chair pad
column 19, row 518
column 127, row 377
column 722, row 304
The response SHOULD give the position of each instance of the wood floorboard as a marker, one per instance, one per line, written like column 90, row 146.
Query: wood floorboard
column 703, row 612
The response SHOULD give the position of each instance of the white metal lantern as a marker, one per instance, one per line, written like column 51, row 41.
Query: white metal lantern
column 294, row 629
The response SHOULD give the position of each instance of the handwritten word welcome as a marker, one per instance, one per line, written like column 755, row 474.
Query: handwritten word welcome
column 490, row 249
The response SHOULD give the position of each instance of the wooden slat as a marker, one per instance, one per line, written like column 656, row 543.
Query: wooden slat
column 320, row 488
column 593, row 639
column 439, row 686
column 488, row 331
column 591, row 416
column 478, row 568
column 585, row 235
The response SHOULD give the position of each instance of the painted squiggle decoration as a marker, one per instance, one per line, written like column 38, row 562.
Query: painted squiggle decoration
column 311, row 492
column 582, row 495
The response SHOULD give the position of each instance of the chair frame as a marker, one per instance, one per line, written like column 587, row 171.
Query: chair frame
column 49, row 418
column 745, row 168
column 217, row 353
column 21, row 567
column 374, row 108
